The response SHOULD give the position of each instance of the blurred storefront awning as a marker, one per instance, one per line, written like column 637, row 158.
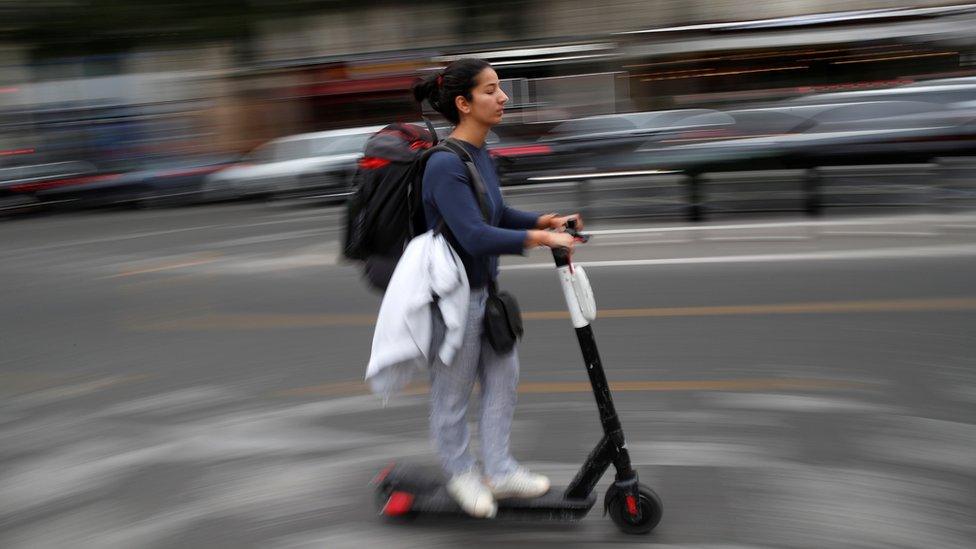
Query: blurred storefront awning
column 735, row 38
column 371, row 85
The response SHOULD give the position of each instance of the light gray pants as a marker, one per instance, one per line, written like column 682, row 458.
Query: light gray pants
column 451, row 387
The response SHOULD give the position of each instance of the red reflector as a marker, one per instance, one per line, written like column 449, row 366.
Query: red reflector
column 398, row 504
column 381, row 476
column 522, row 151
column 632, row 505
column 372, row 163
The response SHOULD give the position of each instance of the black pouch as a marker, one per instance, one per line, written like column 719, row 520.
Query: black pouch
column 503, row 320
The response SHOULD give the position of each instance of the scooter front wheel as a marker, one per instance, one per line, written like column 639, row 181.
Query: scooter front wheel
column 623, row 512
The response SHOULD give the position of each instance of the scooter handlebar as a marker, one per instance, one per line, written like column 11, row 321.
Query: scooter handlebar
column 571, row 230
column 562, row 256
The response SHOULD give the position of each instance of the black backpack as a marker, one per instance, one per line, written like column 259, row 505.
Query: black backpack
column 386, row 211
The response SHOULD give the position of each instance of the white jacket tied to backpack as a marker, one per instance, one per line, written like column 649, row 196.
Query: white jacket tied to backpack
column 402, row 341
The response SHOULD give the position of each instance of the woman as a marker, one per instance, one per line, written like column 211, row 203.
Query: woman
column 467, row 94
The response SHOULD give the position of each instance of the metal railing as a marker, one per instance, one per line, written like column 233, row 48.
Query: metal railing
column 945, row 184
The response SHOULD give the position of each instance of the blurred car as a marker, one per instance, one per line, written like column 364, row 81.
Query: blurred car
column 157, row 182
column 803, row 136
column 319, row 165
column 941, row 91
column 20, row 184
column 602, row 142
column 29, row 177
column 860, row 129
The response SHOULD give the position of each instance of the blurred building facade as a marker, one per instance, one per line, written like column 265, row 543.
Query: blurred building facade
column 398, row 26
column 345, row 63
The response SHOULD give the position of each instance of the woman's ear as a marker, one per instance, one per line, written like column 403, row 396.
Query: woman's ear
column 462, row 104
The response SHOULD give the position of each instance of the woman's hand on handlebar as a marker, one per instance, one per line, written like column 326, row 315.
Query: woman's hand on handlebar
column 561, row 240
column 553, row 240
column 558, row 222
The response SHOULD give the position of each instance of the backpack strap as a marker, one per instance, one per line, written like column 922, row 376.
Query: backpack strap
column 433, row 132
column 481, row 194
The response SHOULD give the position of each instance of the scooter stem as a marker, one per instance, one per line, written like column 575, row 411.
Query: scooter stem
column 612, row 448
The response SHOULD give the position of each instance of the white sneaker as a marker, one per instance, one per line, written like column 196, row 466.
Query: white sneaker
column 472, row 495
column 521, row 484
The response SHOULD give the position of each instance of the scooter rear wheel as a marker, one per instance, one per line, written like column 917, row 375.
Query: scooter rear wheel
column 651, row 510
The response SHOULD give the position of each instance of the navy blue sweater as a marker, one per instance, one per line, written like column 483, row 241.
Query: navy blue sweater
column 447, row 193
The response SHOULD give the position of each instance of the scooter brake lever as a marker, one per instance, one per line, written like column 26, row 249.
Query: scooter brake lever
column 571, row 230
column 580, row 237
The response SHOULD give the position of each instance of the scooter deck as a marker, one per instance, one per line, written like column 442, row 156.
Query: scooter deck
column 428, row 495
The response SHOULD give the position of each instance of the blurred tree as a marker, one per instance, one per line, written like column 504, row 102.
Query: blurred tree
column 482, row 19
column 67, row 28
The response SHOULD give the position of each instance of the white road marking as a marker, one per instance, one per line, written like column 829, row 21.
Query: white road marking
column 639, row 242
column 278, row 222
column 745, row 238
column 794, row 403
column 599, row 175
column 271, row 264
column 65, row 392
column 879, row 233
column 915, row 252
column 174, row 402
column 899, row 221
column 116, row 238
column 261, row 239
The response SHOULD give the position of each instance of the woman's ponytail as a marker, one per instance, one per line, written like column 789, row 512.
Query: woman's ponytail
column 441, row 88
column 427, row 90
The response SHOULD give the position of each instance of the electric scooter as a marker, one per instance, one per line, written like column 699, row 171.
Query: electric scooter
column 406, row 491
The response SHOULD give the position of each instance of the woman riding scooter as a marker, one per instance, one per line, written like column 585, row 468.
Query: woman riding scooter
column 468, row 94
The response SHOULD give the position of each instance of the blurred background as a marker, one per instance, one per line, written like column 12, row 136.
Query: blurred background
column 153, row 103
column 781, row 196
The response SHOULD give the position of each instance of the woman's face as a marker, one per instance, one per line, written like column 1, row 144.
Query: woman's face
column 487, row 99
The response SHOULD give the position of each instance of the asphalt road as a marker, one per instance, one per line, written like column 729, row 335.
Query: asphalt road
column 192, row 378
